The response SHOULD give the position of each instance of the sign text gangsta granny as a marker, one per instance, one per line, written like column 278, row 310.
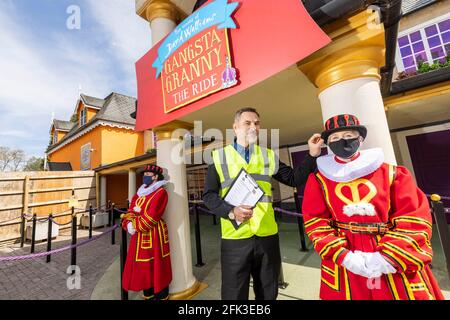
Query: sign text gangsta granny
column 194, row 60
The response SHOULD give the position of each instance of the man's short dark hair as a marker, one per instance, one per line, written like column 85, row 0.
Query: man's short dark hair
column 238, row 113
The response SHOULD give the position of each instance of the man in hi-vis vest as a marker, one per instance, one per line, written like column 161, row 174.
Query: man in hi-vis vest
column 250, row 244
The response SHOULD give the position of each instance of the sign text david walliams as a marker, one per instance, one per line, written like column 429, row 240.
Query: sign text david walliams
column 194, row 60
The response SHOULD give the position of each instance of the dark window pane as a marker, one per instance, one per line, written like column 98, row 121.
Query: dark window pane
column 408, row 62
column 415, row 36
column 447, row 48
column 446, row 37
column 421, row 57
column 444, row 25
column 434, row 41
column 411, row 70
column 403, row 41
column 406, row 51
column 437, row 52
column 418, row 47
column 431, row 30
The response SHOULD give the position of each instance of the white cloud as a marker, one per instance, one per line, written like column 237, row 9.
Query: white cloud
column 128, row 34
column 37, row 79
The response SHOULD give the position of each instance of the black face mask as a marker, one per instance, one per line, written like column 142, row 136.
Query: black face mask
column 345, row 148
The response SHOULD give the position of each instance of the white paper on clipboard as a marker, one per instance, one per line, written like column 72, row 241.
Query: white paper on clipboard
column 244, row 191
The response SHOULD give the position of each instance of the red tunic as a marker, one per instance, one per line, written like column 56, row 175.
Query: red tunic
column 148, row 260
column 394, row 199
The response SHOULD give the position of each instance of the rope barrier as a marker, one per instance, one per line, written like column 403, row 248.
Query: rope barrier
column 42, row 254
column 121, row 211
column 43, row 220
column 296, row 214
column 62, row 224
column 291, row 213
column 60, row 214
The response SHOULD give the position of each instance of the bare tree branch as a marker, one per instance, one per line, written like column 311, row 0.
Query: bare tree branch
column 18, row 157
column 11, row 159
column 5, row 158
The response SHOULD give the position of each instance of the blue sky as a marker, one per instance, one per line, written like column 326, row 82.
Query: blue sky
column 43, row 63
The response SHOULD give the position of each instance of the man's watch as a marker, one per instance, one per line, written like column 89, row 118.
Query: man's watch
column 231, row 215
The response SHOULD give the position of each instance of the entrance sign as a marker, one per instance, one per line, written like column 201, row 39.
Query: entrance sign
column 194, row 60
column 194, row 66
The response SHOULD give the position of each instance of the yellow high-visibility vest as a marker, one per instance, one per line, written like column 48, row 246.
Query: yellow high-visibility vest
column 228, row 162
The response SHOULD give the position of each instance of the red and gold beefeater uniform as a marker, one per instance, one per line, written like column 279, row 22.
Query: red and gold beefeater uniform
column 148, row 260
column 387, row 195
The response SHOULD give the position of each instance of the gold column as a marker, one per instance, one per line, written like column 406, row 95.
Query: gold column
column 347, row 73
column 357, row 50
column 167, row 16
column 165, row 131
column 153, row 9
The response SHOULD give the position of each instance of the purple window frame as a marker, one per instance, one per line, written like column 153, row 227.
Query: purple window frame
column 411, row 45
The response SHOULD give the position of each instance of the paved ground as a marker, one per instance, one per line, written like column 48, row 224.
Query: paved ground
column 36, row 279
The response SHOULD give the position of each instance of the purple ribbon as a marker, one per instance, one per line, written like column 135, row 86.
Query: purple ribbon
column 43, row 254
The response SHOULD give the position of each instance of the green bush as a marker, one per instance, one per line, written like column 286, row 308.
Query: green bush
column 423, row 67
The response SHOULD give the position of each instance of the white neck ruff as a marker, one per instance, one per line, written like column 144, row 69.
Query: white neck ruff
column 368, row 161
column 145, row 191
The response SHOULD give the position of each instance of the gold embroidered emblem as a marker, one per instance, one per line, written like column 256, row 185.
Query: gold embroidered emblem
column 138, row 204
column 354, row 188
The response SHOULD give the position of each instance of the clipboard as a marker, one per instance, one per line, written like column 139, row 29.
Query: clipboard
column 257, row 190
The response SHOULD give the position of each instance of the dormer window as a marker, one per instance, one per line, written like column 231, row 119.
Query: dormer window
column 83, row 117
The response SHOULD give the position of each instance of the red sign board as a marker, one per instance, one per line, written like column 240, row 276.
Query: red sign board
column 198, row 68
column 268, row 37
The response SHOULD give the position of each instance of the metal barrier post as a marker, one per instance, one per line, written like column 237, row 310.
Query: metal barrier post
column 33, row 233
column 123, row 257
column 90, row 221
column 442, row 227
column 49, row 237
column 198, row 243
column 109, row 213
column 300, row 223
column 73, row 254
column 22, row 230
column 281, row 283
column 113, row 233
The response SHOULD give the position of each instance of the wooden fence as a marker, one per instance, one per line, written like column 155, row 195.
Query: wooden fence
column 41, row 193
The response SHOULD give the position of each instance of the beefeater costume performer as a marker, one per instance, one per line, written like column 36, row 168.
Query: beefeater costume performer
column 147, row 266
column 369, row 222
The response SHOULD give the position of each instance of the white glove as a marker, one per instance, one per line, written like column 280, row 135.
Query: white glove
column 130, row 228
column 376, row 264
column 355, row 263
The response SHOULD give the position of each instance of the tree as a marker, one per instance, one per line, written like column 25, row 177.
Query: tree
column 17, row 159
column 11, row 159
column 34, row 164
column 74, row 118
column 5, row 159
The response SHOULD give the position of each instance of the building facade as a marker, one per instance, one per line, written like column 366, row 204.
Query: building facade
column 387, row 63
